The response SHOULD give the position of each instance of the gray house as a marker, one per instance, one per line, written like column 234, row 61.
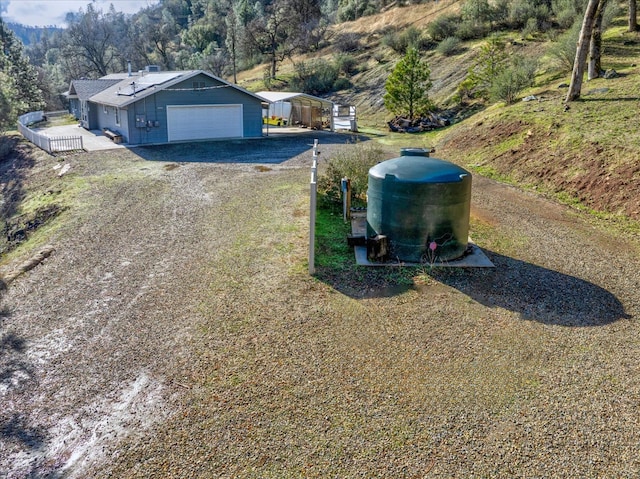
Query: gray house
column 151, row 107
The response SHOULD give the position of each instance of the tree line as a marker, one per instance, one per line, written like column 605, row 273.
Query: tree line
column 227, row 36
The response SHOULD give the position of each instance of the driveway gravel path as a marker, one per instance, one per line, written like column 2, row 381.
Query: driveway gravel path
column 174, row 332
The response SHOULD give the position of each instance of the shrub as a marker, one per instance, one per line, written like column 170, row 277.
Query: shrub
column 492, row 59
column 342, row 83
column 510, row 82
column 443, row 26
column 566, row 12
column 346, row 64
column 469, row 30
column 500, row 14
column 315, row 77
column 530, row 29
column 477, row 11
column 522, row 10
column 564, row 50
column 412, row 37
column 347, row 42
column 354, row 164
column 449, row 46
column 392, row 40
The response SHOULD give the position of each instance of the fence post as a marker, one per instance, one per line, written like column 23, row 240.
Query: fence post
column 312, row 209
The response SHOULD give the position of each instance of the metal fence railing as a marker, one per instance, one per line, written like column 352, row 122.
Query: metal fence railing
column 50, row 144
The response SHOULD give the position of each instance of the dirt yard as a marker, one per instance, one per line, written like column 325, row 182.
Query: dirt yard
column 174, row 332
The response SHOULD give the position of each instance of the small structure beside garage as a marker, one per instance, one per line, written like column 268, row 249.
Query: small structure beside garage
column 297, row 109
column 154, row 107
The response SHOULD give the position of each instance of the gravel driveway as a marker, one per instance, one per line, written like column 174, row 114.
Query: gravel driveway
column 174, row 332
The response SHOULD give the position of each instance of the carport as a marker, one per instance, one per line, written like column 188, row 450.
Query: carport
column 297, row 109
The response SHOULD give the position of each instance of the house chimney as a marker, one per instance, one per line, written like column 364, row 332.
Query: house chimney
column 129, row 67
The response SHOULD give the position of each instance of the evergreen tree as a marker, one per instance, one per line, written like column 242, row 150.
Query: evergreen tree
column 407, row 86
column 19, row 92
column 492, row 61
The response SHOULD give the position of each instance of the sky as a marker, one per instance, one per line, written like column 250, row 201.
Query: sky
column 52, row 12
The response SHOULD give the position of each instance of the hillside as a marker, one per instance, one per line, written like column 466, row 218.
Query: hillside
column 588, row 155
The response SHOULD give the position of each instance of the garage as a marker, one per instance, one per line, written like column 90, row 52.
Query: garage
column 203, row 122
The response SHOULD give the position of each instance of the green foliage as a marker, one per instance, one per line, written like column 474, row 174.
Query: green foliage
column 346, row 63
column 443, row 26
column 563, row 51
column 477, row 11
column 530, row 29
column 332, row 250
column 9, row 104
column 407, row 86
column 501, row 12
column 465, row 91
column 315, row 77
column 342, row 83
column 522, row 11
column 566, row 12
column 354, row 164
column 496, row 75
column 19, row 90
column 510, row 82
column 349, row 10
column 449, row 46
column 491, row 61
column 469, row 30
column 412, row 37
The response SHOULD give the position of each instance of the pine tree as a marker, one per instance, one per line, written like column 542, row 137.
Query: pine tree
column 407, row 87
column 20, row 92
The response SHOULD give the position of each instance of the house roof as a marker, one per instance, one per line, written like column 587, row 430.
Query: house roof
column 85, row 89
column 296, row 97
column 122, row 89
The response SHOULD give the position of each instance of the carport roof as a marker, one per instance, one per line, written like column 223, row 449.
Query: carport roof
column 276, row 96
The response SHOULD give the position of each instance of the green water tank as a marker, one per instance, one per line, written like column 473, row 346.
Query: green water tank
column 422, row 205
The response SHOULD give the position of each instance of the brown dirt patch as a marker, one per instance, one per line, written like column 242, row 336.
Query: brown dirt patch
column 585, row 173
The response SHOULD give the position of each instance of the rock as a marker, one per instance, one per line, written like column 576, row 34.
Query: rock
column 610, row 74
column 563, row 85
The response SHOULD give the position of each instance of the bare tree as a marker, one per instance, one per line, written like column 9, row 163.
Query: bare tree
column 633, row 19
column 271, row 34
column 582, row 49
column 91, row 37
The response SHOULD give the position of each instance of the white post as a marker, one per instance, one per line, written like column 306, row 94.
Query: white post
column 312, row 209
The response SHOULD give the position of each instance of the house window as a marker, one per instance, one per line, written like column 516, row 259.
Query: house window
column 198, row 85
column 105, row 109
column 117, row 110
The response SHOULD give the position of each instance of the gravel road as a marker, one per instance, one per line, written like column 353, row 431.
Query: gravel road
column 116, row 350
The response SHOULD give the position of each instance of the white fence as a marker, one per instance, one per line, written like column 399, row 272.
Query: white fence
column 49, row 144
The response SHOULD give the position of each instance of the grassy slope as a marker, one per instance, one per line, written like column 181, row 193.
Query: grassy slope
column 586, row 156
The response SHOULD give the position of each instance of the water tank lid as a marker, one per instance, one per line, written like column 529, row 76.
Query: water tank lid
column 414, row 152
column 419, row 169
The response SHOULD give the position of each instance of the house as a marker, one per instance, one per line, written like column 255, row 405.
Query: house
column 291, row 108
column 151, row 107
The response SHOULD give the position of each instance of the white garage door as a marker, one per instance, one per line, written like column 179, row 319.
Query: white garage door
column 202, row 122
